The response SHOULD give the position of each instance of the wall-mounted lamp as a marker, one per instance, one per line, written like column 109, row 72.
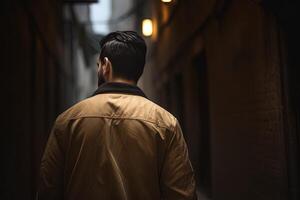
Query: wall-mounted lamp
column 166, row 1
column 147, row 27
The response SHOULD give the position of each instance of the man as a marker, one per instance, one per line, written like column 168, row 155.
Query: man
column 117, row 144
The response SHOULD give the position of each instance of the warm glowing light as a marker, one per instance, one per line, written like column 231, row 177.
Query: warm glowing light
column 166, row 1
column 147, row 27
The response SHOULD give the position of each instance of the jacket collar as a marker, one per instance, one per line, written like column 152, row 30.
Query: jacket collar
column 116, row 87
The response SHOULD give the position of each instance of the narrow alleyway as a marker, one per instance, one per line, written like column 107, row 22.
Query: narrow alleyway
column 227, row 69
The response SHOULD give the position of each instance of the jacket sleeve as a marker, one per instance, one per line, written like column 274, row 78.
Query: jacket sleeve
column 177, row 176
column 51, row 168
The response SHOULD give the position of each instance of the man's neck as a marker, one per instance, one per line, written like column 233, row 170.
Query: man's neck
column 121, row 80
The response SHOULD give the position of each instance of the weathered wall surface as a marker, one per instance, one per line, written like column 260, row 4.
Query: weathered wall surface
column 218, row 68
column 35, row 88
column 244, row 73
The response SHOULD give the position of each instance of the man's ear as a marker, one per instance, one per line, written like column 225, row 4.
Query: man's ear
column 107, row 68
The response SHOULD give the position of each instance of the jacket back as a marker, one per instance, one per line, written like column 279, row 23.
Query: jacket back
column 116, row 146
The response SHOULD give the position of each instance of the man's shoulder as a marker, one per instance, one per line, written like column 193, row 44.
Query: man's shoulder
column 134, row 106
column 160, row 115
column 73, row 112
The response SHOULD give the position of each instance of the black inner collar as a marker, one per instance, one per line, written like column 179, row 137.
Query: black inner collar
column 116, row 87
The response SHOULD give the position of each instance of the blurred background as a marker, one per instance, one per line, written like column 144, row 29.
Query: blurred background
column 227, row 69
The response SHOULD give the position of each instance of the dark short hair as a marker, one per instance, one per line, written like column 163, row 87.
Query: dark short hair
column 126, row 50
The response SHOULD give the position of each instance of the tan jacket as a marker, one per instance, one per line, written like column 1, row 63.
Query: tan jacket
column 116, row 146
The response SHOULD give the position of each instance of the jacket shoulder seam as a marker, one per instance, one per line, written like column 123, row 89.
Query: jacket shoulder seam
column 125, row 118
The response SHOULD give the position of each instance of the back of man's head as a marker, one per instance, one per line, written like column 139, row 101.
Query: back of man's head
column 126, row 51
